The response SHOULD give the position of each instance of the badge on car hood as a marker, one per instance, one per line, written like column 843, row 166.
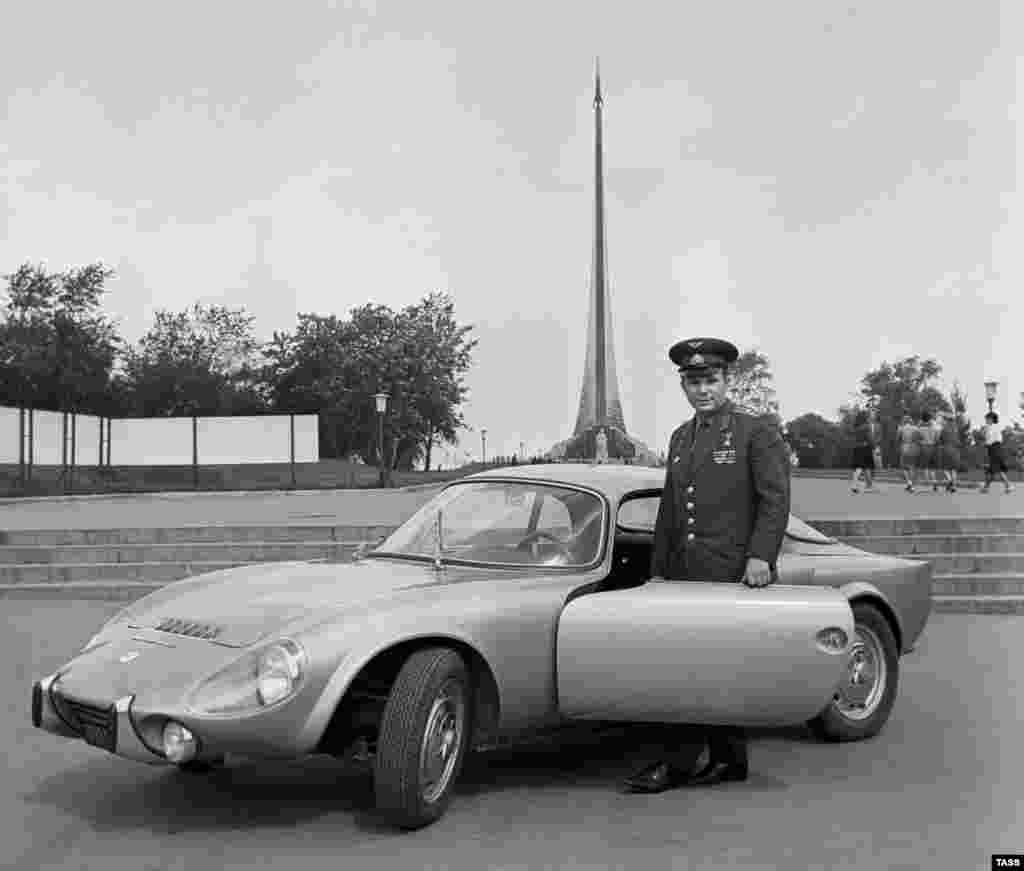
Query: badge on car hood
column 128, row 657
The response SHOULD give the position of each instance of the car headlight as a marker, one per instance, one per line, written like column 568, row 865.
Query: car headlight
column 257, row 680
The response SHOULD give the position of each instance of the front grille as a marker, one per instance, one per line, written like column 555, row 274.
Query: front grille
column 190, row 628
column 97, row 725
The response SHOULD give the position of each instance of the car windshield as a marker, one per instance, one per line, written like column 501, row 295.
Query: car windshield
column 504, row 523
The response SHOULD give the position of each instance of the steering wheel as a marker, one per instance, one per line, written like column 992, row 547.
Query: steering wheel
column 534, row 538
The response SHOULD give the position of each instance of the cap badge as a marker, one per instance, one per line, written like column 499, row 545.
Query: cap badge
column 695, row 344
column 697, row 360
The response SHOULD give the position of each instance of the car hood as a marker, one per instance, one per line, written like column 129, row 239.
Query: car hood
column 238, row 607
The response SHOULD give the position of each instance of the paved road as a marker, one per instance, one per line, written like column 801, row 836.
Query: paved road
column 940, row 788
column 812, row 498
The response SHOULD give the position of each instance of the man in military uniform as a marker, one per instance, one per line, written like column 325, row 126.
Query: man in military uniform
column 722, row 517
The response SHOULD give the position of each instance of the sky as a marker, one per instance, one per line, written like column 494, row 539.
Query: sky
column 833, row 183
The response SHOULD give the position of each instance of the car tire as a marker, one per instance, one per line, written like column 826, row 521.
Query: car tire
column 423, row 738
column 859, row 710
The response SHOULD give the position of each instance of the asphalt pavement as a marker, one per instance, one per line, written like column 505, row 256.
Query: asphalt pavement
column 941, row 787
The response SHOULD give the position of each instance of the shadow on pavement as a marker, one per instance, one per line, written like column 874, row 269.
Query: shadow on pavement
column 117, row 795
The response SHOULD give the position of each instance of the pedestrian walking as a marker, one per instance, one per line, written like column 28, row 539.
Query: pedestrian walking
column 928, row 456
column 863, row 453
column 949, row 451
column 722, row 518
column 994, row 449
column 910, row 439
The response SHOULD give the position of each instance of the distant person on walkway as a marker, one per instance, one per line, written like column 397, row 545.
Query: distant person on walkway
column 928, row 458
column 910, row 438
column 994, row 449
column 863, row 453
column 949, row 451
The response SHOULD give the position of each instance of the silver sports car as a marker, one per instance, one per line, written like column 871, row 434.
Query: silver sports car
column 514, row 601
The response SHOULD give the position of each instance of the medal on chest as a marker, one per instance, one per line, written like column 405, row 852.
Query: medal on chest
column 725, row 454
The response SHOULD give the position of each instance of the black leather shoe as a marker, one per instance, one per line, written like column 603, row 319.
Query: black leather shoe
column 656, row 777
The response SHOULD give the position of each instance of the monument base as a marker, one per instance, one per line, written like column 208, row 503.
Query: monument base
column 616, row 446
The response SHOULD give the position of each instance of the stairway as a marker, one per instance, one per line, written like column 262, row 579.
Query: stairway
column 978, row 562
column 126, row 563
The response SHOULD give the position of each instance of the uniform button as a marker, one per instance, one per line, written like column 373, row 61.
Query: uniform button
column 690, row 489
column 690, row 520
column 690, row 506
column 690, row 536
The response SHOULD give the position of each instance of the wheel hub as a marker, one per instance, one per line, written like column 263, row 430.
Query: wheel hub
column 441, row 738
column 863, row 685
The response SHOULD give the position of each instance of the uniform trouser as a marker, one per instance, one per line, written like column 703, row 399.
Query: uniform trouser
column 683, row 744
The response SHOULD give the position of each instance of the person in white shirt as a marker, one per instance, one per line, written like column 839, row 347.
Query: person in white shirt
column 994, row 449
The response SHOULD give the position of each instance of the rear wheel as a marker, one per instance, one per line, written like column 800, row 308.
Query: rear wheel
column 864, row 699
column 423, row 737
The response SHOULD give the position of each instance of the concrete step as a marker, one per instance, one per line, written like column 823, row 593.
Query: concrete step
column 971, row 604
column 972, row 563
column 191, row 534
column 928, row 544
column 877, row 527
column 115, row 591
column 987, row 584
column 143, row 571
column 221, row 551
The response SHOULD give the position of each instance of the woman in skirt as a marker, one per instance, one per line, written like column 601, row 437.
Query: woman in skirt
column 910, row 438
column 994, row 449
column 949, row 450
column 863, row 453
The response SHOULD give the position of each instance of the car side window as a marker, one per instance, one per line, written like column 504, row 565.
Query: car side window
column 639, row 514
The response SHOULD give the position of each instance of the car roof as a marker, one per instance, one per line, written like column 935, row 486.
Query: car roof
column 613, row 479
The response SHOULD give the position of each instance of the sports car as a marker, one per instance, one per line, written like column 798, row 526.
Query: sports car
column 514, row 601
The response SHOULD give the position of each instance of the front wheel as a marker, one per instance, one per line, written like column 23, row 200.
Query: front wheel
column 424, row 733
column 865, row 696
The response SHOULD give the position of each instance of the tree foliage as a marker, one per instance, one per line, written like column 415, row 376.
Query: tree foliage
column 896, row 389
column 57, row 348
column 418, row 356
column 817, row 442
column 200, row 361
column 751, row 384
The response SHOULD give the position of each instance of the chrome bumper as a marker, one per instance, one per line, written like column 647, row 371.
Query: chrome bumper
column 127, row 743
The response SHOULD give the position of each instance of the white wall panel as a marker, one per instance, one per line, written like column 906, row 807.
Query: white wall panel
column 9, row 434
column 87, row 440
column 265, row 439
column 230, row 440
column 47, row 438
column 307, row 438
column 151, row 441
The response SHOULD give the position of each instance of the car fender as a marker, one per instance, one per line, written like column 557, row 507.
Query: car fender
column 864, row 590
column 369, row 645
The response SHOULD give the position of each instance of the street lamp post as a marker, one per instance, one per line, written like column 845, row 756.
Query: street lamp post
column 990, row 393
column 382, row 405
column 483, row 444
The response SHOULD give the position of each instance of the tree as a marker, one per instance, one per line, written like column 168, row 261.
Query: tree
column 815, row 440
column 896, row 389
column 418, row 356
column 57, row 348
column 750, row 386
column 200, row 361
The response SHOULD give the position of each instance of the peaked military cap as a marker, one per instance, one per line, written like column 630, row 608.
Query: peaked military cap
column 693, row 355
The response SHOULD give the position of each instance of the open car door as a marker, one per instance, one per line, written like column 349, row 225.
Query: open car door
column 690, row 652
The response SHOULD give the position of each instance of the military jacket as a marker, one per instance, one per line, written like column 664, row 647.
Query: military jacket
column 726, row 498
